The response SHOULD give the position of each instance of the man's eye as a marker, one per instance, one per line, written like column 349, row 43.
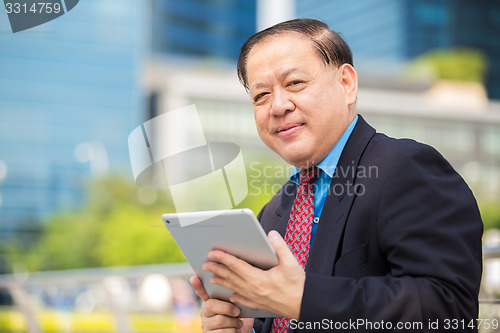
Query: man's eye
column 259, row 96
column 295, row 82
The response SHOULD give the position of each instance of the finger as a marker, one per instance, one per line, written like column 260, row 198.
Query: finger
column 247, row 324
column 218, row 269
column 222, row 324
column 214, row 307
column 237, row 298
column 282, row 251
column 236, row 265
column 223, row 276
column 198, row 288
column 241, row 300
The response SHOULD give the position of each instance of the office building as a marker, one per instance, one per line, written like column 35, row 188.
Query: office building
column 212, row 29
column 385, row 34
column 69, row 96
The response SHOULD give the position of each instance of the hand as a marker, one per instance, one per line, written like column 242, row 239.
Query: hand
column 278, row 290
column 217, row 315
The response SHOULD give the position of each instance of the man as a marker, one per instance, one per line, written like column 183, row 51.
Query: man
column 389, row 236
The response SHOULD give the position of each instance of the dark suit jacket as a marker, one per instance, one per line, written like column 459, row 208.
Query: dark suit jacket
column 399, row 239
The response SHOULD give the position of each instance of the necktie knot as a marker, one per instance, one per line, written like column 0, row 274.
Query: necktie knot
column 308, row 176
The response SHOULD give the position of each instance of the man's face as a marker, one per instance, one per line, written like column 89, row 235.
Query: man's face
column 301, row 105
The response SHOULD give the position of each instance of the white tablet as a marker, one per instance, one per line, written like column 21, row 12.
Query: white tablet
column 236, row 231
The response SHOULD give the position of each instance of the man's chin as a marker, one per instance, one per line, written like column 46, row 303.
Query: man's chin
column 300, row 162
column 296, row 154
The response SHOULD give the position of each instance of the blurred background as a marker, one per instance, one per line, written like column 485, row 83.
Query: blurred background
column 83, row 249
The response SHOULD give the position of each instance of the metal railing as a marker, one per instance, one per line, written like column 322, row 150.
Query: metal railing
column 19, row 285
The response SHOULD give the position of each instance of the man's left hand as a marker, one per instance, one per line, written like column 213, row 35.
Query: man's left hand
column 277, row 290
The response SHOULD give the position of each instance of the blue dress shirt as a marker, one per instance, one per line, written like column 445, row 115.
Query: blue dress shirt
column 327, row 166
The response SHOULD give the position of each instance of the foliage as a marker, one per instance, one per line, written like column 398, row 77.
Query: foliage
column 457, row 64
column 113, row 228
column 490, row 213
column 136, row 237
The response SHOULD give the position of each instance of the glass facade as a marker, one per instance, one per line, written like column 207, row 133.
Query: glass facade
column 209, row 29
column 370, row 27
column 69, row 96
column 477, row 25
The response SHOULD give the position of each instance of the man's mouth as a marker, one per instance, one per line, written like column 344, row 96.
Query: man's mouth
column 289, row 129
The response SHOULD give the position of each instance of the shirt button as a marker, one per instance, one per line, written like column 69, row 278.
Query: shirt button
column 316, row 220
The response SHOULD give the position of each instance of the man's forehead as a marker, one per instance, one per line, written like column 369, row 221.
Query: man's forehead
column 284, row 47
column 281, row 75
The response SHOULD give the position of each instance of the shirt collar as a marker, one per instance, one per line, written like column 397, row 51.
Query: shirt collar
column 329, row 163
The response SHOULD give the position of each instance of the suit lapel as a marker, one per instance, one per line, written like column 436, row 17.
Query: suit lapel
column 328, row 238
column 283, row 210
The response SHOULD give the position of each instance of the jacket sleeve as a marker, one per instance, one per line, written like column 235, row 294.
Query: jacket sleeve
column 429, row 231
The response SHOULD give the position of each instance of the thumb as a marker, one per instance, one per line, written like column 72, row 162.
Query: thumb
column 280, row 246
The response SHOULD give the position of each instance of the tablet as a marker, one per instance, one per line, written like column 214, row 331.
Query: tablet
column 236, row 231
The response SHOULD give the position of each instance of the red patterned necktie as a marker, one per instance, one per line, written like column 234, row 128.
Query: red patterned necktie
column 298, row 230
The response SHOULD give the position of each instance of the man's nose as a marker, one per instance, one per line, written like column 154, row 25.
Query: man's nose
column 281, row 103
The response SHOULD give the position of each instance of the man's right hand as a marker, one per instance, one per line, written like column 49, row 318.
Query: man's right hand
column 218, row 315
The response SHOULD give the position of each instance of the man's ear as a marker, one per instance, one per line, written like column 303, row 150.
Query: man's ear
column 349, row 82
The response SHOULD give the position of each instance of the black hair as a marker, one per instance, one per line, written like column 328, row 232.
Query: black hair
column 330, row 46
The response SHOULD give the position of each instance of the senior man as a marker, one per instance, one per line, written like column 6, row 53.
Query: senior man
column 378, row 234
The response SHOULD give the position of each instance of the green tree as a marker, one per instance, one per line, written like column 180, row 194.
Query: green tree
column 490, row 213
column 456, row 64
column 120, row 224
